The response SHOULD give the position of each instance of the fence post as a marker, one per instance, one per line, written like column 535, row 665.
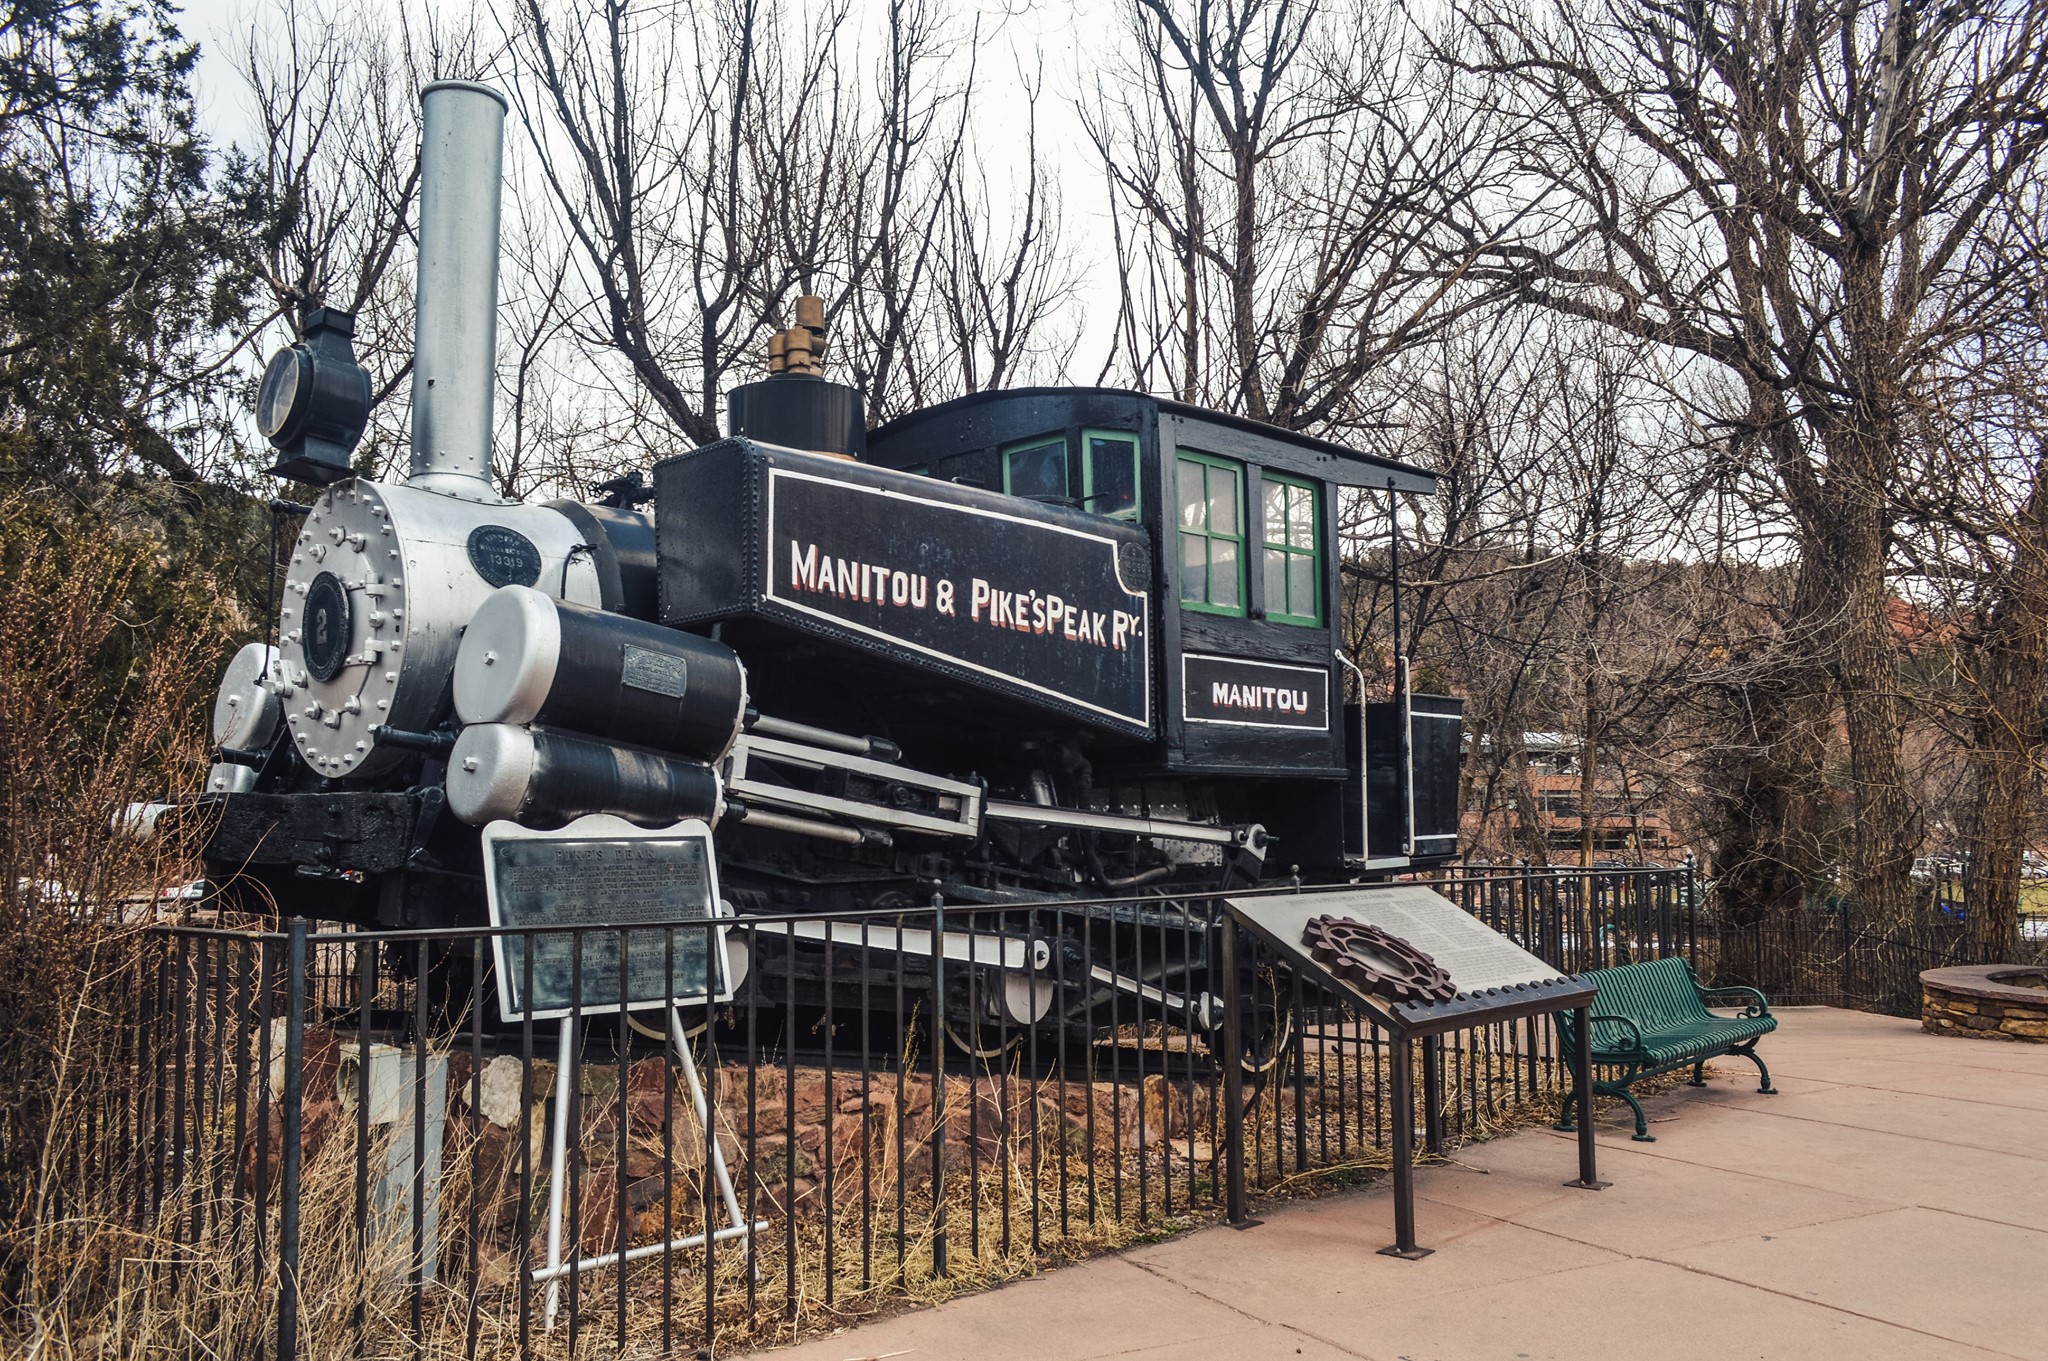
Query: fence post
column 1848, row 977
column 1433, row 1094
column 1532, row 930
column 938, row 1033
column 1692, row 910
column 1233, row 1076
column 288, row 1191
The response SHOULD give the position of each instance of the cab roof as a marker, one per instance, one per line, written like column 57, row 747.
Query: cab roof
column 1241, row 436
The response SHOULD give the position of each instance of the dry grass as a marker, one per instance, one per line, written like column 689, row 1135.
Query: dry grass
column 1028, row 1186
column 104, row 660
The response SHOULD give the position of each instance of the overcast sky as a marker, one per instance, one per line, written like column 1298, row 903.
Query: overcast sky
column 1060, row 33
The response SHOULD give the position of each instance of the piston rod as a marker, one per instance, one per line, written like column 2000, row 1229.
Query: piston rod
column 1163, row 828
column 878, row 748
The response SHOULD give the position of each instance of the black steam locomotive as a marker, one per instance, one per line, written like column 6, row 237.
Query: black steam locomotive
column 1027, row 647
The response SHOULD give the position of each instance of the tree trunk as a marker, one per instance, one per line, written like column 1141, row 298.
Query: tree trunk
column 1767, row 780
column 1859, row 640
column 1534, row 837
column 2011, row 729
column 1244, row 311
column 1991, row 883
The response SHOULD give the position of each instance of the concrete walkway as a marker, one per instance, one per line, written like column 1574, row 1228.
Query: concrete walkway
column 1892, row 1202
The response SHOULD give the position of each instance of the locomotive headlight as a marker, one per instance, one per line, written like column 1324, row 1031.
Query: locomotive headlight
column 315, row 400
column 281, row 400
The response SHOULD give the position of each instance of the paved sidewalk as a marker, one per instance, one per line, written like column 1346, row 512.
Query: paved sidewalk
column 1892, row 1202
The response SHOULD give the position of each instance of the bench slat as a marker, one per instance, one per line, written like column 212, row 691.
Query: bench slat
column 1673, row 1027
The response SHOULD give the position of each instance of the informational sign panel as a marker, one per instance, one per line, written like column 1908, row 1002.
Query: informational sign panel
column 1247, row 694
column 1490, row 972
column 604, row 872
column 1043, row 606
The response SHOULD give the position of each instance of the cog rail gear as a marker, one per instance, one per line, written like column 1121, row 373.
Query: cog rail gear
column 1376, row 961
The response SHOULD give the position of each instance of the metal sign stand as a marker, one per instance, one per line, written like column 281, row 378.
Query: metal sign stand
column 1278, row 922
column 558, row 1181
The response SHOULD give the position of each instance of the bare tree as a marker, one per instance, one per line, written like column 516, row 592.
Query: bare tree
column 709, row 163
column 1555, row 580
column 1007, row 295
column 1791, row 190
column 1276, row 168
column 1975, row 542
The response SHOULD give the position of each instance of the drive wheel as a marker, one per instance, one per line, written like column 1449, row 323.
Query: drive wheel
column 983, row 1040
column 1268, row 1022
column 660, row 1032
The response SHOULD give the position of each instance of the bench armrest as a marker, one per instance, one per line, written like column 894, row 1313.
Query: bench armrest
column 1750, row 1000
column 1603, row 1029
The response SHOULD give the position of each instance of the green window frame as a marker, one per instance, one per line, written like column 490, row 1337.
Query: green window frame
column 1013, row 456
column 1210, row 511
column 1110, row 471
column 1291, row 538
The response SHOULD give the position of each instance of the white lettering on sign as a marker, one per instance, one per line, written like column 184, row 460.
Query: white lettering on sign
column 1254, row 693
column 1028, row 611
column 1021, row 610
column 874, row 583
column 1263, row 699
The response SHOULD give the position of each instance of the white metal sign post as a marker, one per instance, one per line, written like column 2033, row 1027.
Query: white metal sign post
column 558, row 1177
column 627, row 883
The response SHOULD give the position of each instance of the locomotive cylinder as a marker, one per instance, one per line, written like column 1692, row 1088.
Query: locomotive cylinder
column 245, row 713
column 527, row 658
column 538, row 777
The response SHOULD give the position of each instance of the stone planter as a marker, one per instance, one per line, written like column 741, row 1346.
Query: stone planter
column 1986, row 1002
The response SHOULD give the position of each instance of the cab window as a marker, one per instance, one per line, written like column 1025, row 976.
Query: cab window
column 1109, row 473
column 1293, row 566
column 1036, row 469
column 1209, row 493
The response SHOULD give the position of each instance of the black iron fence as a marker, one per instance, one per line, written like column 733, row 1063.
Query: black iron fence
column 333, row 1144
column 1834, row 954
column 1831, row 952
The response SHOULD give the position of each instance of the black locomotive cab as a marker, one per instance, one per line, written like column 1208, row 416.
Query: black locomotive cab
column 1242, row 520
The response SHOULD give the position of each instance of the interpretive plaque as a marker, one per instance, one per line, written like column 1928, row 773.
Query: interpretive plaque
column 604, row 872
column 1488, row 971
column 1495, row 981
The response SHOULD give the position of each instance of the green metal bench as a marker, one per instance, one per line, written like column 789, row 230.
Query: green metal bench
column 1652, row 1017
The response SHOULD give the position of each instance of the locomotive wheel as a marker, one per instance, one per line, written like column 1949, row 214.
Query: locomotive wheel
column 660, row 1032
column 983, row 1040
column 1269, row 1023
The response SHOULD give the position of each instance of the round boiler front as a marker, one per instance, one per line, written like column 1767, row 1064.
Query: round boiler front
column 381, row 582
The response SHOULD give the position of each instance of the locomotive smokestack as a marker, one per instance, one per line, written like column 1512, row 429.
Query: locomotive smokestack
column 455, row 318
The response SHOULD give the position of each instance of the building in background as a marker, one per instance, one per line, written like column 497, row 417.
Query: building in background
column 1626, row 813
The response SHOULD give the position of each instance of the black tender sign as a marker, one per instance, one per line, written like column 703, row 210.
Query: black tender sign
column 1039, row 605
column 1249, row 694
column 503, row 557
